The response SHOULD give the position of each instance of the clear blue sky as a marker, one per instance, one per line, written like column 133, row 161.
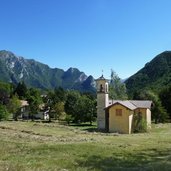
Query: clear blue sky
column 90, row 35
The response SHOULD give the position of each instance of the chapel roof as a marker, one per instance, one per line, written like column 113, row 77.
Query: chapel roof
column 142, row 103
column 131, row 104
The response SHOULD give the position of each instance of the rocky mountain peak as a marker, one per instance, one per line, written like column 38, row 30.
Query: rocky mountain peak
column 35, row 74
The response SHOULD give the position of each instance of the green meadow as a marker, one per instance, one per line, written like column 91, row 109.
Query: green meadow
column 36, row 146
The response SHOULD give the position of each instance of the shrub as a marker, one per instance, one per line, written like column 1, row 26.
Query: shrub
column 68, row 119
column 3, row 113
column 140, row 124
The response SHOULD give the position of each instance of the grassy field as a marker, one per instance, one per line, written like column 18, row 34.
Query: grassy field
column 50, row 146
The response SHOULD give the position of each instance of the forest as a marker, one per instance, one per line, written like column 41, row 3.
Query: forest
column 64, row 105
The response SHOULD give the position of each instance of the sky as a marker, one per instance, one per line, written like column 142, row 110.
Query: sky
column 91, row 35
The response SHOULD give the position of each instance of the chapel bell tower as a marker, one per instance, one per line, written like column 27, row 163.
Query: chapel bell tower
column 102, row 101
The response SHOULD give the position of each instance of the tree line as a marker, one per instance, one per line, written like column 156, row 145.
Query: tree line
column 71, row 105
column 66, row 105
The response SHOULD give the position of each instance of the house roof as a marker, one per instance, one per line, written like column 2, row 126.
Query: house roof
column 24, row 103
column 131, row 104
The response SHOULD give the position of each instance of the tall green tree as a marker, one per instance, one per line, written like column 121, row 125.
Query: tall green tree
column 117, row 89
column 54, row 102
column 21, row 90
column 82, row 108
column 59, row 109
column 165, row 96
column 159, row 113
column 5, row 92
column 86, row 109
column 14, row 107
column 4, row 114
column 4, row 96
column 60, row 94
column 34, row 100
column 71, row 105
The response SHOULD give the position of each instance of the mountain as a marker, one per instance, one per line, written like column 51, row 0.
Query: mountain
column 155, row 75
column 15, row 69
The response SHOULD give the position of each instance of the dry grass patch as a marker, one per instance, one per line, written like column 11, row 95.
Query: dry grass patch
column 50, row 146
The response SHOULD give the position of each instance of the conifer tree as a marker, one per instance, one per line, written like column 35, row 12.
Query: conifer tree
column 117, row 89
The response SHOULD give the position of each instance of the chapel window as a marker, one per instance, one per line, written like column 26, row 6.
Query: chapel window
column 118, row 112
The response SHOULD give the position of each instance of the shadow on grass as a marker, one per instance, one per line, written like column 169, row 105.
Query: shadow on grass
column 143, row 161
column 91, row 129
column 85, row 127
column 81, row 125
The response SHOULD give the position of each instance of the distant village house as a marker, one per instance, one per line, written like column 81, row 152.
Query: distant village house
column 25, row 111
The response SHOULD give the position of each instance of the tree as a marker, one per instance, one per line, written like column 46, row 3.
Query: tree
column 82, row 108
column 71, row 105
column 59, row 109
column 139, row 124
column 68, row 119
column 3, row 112
column 54, row 102
column 159, row 113
column 34, row 100
column 117, row 89
column 21, row 90
column 86, row 109
column 165, row 96
column 14, row 107
column 6, row 91
column 4, row 96
column 60, row 94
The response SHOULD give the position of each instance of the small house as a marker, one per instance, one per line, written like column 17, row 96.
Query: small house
column 24, row 108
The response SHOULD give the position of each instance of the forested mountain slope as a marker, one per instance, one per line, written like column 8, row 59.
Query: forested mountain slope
column 155, row 75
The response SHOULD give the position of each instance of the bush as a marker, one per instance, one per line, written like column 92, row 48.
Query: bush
column 3, row 113
column 68, row 119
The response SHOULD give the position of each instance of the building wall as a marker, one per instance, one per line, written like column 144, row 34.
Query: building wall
column 142, row 111
column 121, row 124
column 148, row 117
column 146, row 114
column 130, row 121
column 102, row 100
